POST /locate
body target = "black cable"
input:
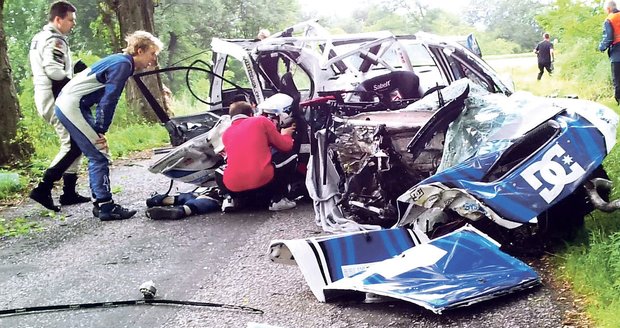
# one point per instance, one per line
(79, 306)
(188, 57)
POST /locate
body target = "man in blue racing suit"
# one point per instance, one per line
(102, 84)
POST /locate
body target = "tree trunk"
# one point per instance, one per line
(106, 10)
(13, 146)
(132, 16)
(172, 50)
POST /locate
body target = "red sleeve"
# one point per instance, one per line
(281, 142)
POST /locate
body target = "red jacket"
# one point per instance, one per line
(247, 144)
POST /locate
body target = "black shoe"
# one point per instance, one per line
(165, 212)
(96, 211)
(117, 213)
(44, 197)
(156, 200)
(71, 199)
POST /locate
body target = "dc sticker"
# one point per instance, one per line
(553, 172)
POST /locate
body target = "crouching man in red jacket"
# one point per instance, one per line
(251, 169)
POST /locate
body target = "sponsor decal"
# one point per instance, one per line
(416, 194)
(253, 80)
(557, 169)
(381, 85)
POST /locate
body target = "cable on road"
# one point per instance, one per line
(80, 306)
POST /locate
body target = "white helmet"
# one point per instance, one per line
(278, 105)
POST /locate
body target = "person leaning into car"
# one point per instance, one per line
(102, 84)
(249, 162)
(611, 43)
(50, 60)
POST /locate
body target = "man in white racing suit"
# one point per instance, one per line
(50, 59)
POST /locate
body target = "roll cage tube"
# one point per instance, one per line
(148, 95)
(212, 75)
(291, 57)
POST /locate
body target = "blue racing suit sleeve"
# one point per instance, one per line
(608, 36)
(114, 78)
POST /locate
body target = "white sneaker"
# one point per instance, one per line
(282, 204)
(228, 205)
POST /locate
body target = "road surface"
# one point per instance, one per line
(219, 258)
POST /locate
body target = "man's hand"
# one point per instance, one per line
(288, 131)
(101, 143)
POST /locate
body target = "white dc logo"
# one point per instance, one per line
(553, 173)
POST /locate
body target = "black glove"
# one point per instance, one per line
(58, 85)
(79, 66)
(287, 122)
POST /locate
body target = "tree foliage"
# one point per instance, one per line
(578, 26)
(508, 19)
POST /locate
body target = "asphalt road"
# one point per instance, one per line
(220, 258)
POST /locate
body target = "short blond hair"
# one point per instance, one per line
(141, 40)
(263, 34)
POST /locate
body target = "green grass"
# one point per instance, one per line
(10, 183)
(123, 140)
(18, 227)
(591, 264)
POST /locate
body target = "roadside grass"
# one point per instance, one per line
(17, 227)
(592, 263)
(10, 183)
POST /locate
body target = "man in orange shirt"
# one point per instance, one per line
(611, 43)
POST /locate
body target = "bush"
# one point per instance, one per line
(10, 182)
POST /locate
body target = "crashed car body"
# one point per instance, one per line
(412, 133)
(317, 62)
(517, 166)
(347, 82)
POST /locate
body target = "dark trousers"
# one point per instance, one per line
(274, 190)
(54, 173)
(615, 76)
(541, 67)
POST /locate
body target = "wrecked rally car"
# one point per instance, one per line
(422, 131)
(516, 167)
(415, 137)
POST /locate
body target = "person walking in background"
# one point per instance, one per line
(544, 52)
(50, 60)
(102, 84)
(611, 38)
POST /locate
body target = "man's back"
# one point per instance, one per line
(247, 144)
(544, 51)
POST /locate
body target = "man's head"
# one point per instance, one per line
(610, 6)
(240, 107)
(263, 34)
(144, 48)
(62, 16)
(546, 36)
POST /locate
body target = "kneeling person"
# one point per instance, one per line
(248, 145)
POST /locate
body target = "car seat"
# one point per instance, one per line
(393, 86)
